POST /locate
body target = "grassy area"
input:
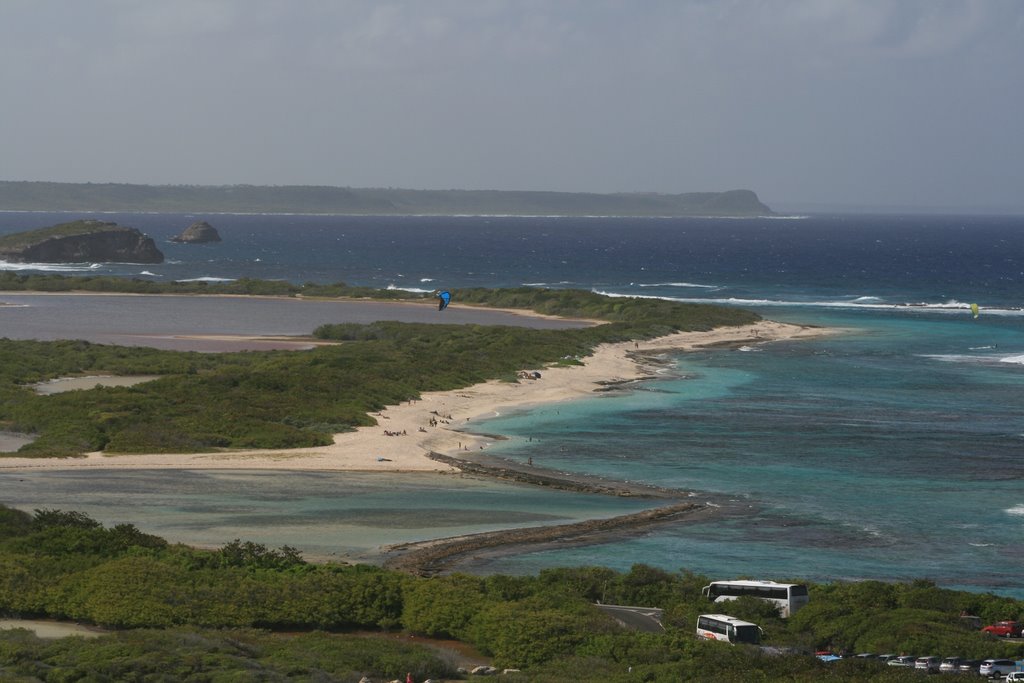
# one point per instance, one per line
(281, 399)
(81, 227)
(211, 615)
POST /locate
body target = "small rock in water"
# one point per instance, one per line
(198, 233)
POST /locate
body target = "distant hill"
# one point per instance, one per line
(43, 196)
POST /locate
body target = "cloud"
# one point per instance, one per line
(801, 99)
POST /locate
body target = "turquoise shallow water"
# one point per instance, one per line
(893, 451)
(324, 514)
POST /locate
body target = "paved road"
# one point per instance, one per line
(646, 619)
(196, 322)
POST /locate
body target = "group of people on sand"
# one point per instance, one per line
(388, 432)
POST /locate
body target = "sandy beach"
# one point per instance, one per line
(442, 421)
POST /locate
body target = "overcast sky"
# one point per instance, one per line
(856, 102)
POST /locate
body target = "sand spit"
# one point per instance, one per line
(405, 435)
(442, 422)
(434, 433)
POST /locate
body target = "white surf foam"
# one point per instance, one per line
(51, 267)
(1017, 510)
(414, 290)
(208, 279)
(957, 358)
(951, 307)
(1017, 359)
(680, 284)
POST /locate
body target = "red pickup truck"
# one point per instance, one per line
(1004, 629)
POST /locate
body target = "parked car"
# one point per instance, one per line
(950, 665)
(929, 664)
(997, 668)
(1004, 629)
(902, 660)
(969, 666)
(887, 658)
(1015, 677)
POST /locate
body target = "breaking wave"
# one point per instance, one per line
(208, 279)
(414, 290)
(680, 284)
(1016, 359)
(51, 267)
(951, 307)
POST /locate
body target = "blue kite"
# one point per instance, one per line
(445, 299)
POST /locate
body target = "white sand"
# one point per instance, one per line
(62, 384)
(369, 449)
(53, 629)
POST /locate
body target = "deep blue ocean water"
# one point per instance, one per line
(894, 450)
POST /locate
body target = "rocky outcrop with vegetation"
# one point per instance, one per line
(85, 241)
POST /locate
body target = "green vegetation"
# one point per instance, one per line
(67, 566)
(206, 655)
(42, 196)
(81, 227)
(287, 399)
(15, 282)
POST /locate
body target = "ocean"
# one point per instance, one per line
(894, 450)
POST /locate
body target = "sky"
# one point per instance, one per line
(839, 103)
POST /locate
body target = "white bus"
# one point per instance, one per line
(789, 597)
(727, 629)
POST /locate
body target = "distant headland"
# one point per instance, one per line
(47, 196)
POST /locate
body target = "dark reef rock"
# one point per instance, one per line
(199, 232)
(80, 242)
